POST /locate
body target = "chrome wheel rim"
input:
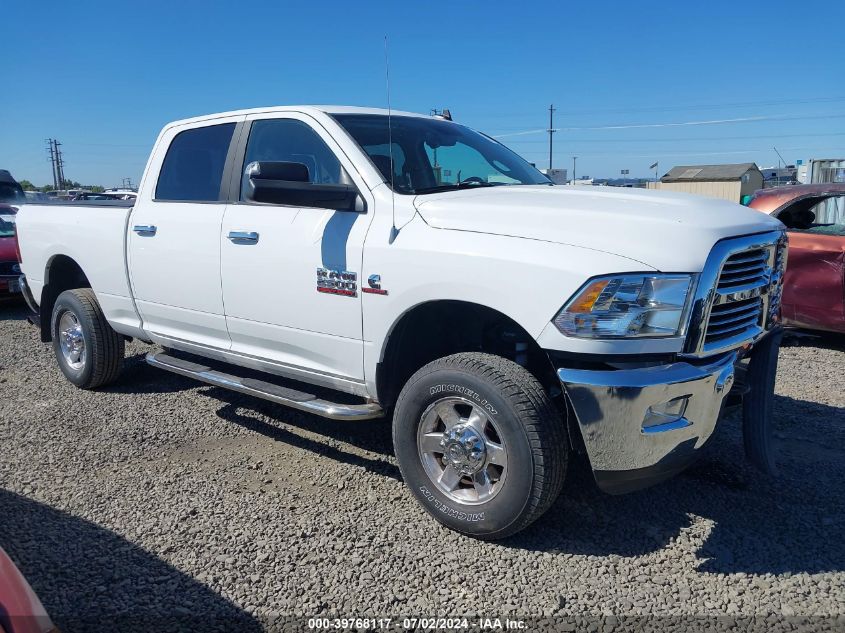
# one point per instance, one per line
(71, 340)
(462, 451)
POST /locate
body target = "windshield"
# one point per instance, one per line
(7, 229)
(432, 155)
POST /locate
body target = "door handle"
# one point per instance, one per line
(243, 237)
(145, 229)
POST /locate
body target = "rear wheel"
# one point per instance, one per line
(480, 444)
(89, 352)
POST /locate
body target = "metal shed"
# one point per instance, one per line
(730, 182)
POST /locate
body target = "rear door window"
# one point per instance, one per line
(193, 167)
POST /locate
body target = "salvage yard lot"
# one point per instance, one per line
(159, 495)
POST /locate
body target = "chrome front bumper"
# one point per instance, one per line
(643, 425)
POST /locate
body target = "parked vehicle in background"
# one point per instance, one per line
(814, 284)
(123, 194)
(36, 196)
(20, 609)
(90, 195)
(8, 212)
(504, 320)
(10, 269)
(10, 190)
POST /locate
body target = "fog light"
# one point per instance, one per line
(666, 416)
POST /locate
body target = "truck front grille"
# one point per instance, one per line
(745, 269)
(744, 277)
(728, 320)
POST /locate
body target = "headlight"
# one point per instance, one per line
(623, 306)
(16, 269)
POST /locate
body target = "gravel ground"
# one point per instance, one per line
(162, 497)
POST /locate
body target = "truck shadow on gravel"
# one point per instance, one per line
(790, 523)
(793, 522)
(371, 436)
(139, 377)
(91, 579)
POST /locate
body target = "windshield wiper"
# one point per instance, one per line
(459, 185)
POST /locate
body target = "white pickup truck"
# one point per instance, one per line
(354, 263)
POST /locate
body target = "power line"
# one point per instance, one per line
(674, 108)
(696, 153)
(754, 119)
(676, 139)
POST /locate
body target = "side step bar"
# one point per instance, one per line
(266, 390)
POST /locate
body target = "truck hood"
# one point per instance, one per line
(671, 232)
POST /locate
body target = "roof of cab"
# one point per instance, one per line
(304, 109)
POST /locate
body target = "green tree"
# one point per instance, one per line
(27, 186)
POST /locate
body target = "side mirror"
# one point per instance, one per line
(276, 182)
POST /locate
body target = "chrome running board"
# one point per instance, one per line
(265, 390)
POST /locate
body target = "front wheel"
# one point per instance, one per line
(89, 352)
(480, 444)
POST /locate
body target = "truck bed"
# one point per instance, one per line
(93, 234)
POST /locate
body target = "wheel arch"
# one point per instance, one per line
(437, 328)
(61, 273)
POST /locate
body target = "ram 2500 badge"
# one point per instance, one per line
(418, 269)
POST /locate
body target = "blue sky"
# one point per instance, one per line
(104, 77)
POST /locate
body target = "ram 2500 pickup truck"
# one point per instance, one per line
(353, 262)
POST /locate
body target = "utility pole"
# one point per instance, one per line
(551, 131)
(436, 112)
(574, 158)
(52, 153)
(780, 159)
(438, 172)
(60, 164)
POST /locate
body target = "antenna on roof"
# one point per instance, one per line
(393, 230)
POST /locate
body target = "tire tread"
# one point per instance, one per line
(107, 346)
(540, 418)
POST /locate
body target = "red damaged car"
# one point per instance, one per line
(10, 270)
(20, 609)
(814, 286)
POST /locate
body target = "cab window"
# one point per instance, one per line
(291, 141)
(193, 167)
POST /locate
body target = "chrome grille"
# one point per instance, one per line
(744, 269)
(738, 297)
(731, 319)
